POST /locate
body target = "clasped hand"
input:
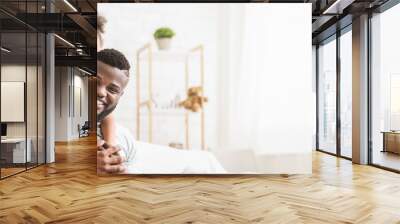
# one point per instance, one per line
(108, 158)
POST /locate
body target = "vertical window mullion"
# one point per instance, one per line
(317, 95)
(338, 92)
(26, 86)
(369, 91)
(37, 90)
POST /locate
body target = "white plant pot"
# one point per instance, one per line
(163, 43)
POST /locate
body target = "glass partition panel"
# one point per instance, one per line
(41, 98)
(31, 98)
(327, 96)
(22, 77)
(15, 151)
(346, 94)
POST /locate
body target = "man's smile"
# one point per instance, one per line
(100, 105)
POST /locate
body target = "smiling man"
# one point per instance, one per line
(130, 156)
(112, 78)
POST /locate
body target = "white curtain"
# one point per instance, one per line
(262, 101)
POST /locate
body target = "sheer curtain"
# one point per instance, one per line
(265, 102)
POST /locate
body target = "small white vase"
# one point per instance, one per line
(163, 43)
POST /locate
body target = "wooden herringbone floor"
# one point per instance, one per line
(69, 191)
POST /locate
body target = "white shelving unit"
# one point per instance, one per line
(151, 57)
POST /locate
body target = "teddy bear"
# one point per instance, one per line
(195, 101)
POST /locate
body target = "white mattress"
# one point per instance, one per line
(157, 159)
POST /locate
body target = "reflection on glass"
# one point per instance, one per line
(31, 97)
(386, 89)
(13, 76)
(327, 96)
(23, 90)
(346, 94)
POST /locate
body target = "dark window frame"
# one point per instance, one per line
(387, 5)
(43, 39)
(334, 37)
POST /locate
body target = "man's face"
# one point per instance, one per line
(111, 83)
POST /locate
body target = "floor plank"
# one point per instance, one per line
(69, 191)
(387, 159)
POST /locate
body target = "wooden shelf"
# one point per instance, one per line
(167, 55)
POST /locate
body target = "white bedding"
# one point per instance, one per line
(157, 159)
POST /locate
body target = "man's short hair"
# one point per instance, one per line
(113, 58)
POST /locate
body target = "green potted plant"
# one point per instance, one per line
(163, 36)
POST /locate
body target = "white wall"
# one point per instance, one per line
(11, 73)
(80, 104)
(14, 73)
(68, 81)
(33, 127)
(61, 104)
